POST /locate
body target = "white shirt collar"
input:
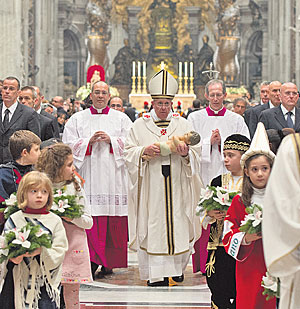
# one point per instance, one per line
(155, 118)
(11, 109)
(285, 111)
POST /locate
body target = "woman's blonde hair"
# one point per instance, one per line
(32, 180)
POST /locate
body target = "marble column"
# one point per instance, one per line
(11, 34)
(133, 24)
(194, 26)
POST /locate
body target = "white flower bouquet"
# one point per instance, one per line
(215, 198)
(271, 286)
(11, 206)
(20, 241)
(252, 221)
(65, 205)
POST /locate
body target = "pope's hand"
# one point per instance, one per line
(182, 149)
(100, 136)
(152, 151)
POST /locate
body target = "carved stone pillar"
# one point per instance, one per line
(133, 24)
(194, 26)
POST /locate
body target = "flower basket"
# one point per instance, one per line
(20, 241)
(252, 221)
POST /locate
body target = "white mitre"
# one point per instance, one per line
(259, 145)
(163, 86)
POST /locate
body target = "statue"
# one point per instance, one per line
(227, 38)
(98, 14)
(122, 62)
(203, 61)
(166, 148)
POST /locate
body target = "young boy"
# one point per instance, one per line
(24, 147)
(220, 267)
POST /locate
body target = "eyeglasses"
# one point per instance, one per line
(115, 105)
(291, 93)
(97, 92)
(215, 95)
(161, 104)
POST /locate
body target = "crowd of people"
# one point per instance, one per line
(136, 180)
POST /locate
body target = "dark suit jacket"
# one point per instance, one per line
(54, 123)
(254, 116)
(273, 118)
(46, 127)
(24, 118)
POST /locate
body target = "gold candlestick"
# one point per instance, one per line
(191, 85)
(186, 91)
(180, 85)
(133, 84)
(139, 90)
(144, 84)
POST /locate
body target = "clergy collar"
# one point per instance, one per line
(96, 111)
(155, 118)
(211, 112)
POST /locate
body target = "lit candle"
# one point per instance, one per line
(144, 68)
(191, 69)
(180, 69)
(139, 68)
(133, 68)
(185, 69)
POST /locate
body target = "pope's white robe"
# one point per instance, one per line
(162, 231)
(281, 222)
(104, 172)
(212, 162)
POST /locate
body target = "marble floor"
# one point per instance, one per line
(124, 289)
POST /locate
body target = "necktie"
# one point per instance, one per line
(289, 120)
(6, 118)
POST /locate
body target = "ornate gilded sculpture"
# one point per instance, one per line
(226, 59)
(98, 12)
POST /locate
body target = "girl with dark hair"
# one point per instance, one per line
(247, 248)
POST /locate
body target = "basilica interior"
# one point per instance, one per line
(51, 43)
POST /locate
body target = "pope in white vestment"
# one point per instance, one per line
(281, 222)
(215, 120)
(163, 191)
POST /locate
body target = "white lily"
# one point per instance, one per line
(41, 232)
(205, 194)
(61, 206)
(58, 193)
(269, 282)
(21, 238)
(256, 217)
(222, 198)
(12, 200)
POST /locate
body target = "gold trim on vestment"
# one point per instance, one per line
(185, 251)
(296, 142)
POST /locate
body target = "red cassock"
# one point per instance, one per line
(250, 266)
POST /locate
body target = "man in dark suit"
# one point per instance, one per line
(38, 109)
(286, 115)
(14, 116)
(264, 99)
(28, 97)
(274, 100)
